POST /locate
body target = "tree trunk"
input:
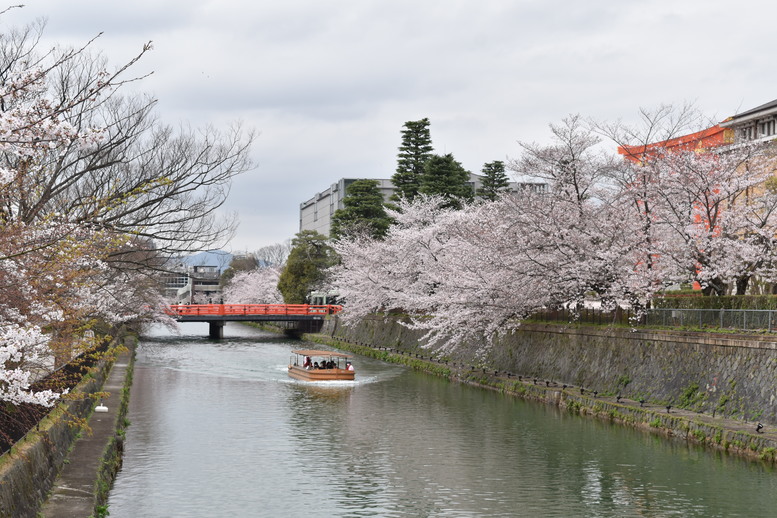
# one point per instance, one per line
(714, 287)
(742, 283)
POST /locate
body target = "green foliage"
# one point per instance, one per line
(721, 406)
(726, 302)
(691, 396)
(305, 268)
(446, 177)
(415, 150)
(495, 180)
(769, 454)
(363, 211)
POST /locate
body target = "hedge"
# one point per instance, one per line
(726, 302)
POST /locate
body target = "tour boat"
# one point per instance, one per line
(315, 365)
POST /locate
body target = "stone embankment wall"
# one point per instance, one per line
(29, 469)
(715, 384)
(719, 374)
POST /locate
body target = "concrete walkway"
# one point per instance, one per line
(73, 494)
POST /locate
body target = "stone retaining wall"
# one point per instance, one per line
(29, 469)
(719, 374)
(736, 436)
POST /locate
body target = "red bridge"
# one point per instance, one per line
(217, 314)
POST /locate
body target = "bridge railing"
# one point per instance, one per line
(184, 310)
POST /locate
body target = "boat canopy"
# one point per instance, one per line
(314, 352)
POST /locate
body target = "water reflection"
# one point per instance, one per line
(218, 429)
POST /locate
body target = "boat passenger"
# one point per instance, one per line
(307, 363)
(315, 365)
(348, 366)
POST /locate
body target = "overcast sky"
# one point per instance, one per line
(328, 84)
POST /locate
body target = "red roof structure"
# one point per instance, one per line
(701, 140)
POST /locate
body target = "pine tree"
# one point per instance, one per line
(415, 150)
(446, 177)
(495, 180)
(363, 211)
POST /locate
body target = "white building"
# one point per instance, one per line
(193, 285)
(757, 124)
(316, 213)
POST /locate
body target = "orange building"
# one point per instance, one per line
(701, 140)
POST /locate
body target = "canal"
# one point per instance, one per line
(218, 429)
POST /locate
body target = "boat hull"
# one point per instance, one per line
(300, 373)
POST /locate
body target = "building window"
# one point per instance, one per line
(757, 130)
(766, 128)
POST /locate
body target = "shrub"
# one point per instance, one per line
(727, 302)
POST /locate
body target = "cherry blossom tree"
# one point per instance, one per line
(715, 215)
(478, 272)
(635, 181)
(460, 275)
(620, 230)
(258, 286)
(573, 230)
(395, 273)
(574, 165)
(94, 192)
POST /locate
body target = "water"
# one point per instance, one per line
(218, 429)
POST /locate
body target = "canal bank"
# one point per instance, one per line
(705, 388)
(65, 467)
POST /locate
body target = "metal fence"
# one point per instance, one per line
(741, 319)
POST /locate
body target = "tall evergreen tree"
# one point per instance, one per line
(363, 211)
(446, 177)
(415, 150)
(495, 180)
(310, 256)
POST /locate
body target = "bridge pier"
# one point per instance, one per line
(216, 329)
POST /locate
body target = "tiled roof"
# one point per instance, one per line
(768, 106)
